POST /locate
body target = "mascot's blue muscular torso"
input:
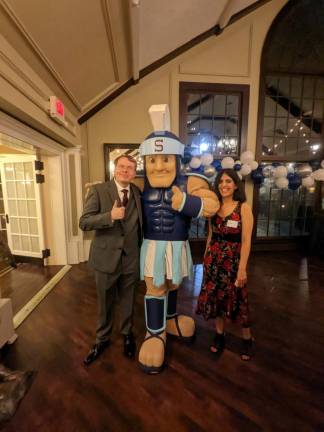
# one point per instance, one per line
(161, 222)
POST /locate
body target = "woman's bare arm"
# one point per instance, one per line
(247, 227)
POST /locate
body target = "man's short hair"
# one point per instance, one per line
(130, 158)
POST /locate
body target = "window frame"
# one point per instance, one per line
(243, 90)
(229, 89)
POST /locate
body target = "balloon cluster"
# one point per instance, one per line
(290, 177)
(280, 175)
(208, 166)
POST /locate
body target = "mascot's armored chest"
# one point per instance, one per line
(161, 222)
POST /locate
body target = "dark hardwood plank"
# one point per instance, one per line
(22, 283)
(280, 390)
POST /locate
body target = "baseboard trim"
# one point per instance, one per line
(34, 302)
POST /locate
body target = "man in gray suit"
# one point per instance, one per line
(113, 210)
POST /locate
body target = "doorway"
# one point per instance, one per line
(21, 199)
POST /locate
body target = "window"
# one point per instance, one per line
(213, 119)
(293, 117)
(284, 213)
(292, 134)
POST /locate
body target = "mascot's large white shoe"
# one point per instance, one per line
(170, 199)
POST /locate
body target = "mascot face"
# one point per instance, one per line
(161, 169)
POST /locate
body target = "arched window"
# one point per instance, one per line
(290, 127)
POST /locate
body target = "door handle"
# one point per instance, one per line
(7, 218)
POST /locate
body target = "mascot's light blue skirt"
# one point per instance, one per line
(159, 261)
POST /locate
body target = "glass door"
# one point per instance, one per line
(3, 225)
(23, 207)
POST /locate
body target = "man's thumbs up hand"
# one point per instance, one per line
(117, 212)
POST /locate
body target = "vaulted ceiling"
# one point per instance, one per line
(85, 51)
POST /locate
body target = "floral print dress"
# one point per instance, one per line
(219, 297)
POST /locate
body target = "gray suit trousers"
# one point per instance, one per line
(115, 288)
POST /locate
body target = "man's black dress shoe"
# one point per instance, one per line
(95, 352)
(129, 345)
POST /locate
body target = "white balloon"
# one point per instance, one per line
(206, 159)
(239, 174)
(319, 174)
(308, 181)
(195, 162)
(245, 170)
(280, 171)
(254, 165)
(247, 157)
(322, 164)
(282, 183)
(227, 162)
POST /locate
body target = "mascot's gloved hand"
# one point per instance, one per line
(177, 198)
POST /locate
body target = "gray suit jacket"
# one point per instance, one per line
(110, 242)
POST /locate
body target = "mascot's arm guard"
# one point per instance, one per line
(186, 204)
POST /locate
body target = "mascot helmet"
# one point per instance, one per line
(161, 141)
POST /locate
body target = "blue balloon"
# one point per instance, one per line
(237, 167)
(186, 157)
(199, 170)
(294, 182)
(257, 177)
(290, 176)
(217, 164)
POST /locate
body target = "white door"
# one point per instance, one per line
(22, 199)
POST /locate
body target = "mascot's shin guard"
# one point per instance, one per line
(179, 320)
(155, 314)
(172, 304)
(155, 318)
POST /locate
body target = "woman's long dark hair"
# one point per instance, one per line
(239, 193)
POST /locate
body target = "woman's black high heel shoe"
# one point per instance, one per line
(218, 344)
(246, 350)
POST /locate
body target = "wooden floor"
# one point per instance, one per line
(280, 390)
(23, 283)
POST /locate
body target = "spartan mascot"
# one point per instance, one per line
(170, 199)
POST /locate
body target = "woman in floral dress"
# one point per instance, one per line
(224, 293)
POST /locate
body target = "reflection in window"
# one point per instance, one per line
(284, 212)
(293, 117)
(213, 123)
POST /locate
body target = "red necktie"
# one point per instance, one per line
(125, 197)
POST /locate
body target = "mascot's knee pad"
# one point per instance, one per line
(172, 304)
(155, 313)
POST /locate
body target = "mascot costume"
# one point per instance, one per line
(170, 199)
